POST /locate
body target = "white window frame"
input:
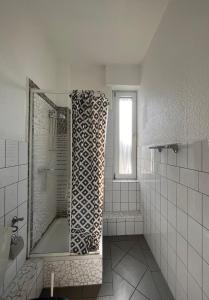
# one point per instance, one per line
(116, 96)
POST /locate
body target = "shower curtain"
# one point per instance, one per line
(89, 118)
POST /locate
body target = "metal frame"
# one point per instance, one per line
(41, 92)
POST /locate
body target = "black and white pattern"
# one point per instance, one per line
(89, 117)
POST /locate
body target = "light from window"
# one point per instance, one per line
(125, 136)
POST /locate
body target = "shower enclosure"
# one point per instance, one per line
(65, 210)
(50, 169)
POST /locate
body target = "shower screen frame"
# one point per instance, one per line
(32, 90)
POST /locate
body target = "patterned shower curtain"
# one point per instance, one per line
(89, 119)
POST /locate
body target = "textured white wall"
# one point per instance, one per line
(122, 74)
(87, 77)
(174, 94)
(24, 51)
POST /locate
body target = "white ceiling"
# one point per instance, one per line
(100, 31)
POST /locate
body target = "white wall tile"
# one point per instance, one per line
(205, 297)
(108, 173)
(2, 154)
(8, 176)
(189, 178)
(162, 170)
(164, 207)
(132, 186)
(180, 292)
(172, 158)
(194, 290)
(129, 227)
(108, 206)
(164, 187)
(195, 235)
(163, 156)
(121, 228)
(195, 265)
(172, 214)
(206, 245)
(132, 196)
(111, 228)
(173, 173)
(23, 172)
(108, 196)
(206, 211)
(172, 236)
(172, 270)
(108, 184)
(23, 153)
(204, 183)
(116, 186)
(105, 231)
(182, 247)
(182, 274)
(1, 202)
(182, 202)
(116, 196)
(132, 206)
(206, 278)
(138, 226)
(22, 191)
(10, 216)
(116, 206)
(22, 212)
(182, 223)
(124, 186)
(10, 197)
(195, 156)
(11, 153)
(182, 156)
(172, 191)
(124, 196)
(195, 205)
(124, 206)
(205, 156)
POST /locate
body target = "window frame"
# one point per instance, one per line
(116, 96)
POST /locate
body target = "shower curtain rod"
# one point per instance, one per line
(67, 92)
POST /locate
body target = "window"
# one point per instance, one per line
(125, 135)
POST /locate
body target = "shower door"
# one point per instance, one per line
(49, 175)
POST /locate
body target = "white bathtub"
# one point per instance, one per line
(55, 239)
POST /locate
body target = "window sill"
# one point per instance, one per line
(125, 180)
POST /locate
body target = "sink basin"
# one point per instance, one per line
(5, 240)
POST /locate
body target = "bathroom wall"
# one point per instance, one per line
(24, 52)
(174, 87)
(174, 107)
(175, 200)
(13, 196)
(87, 77)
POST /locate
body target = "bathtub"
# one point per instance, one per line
(70, 269)
(55, 239)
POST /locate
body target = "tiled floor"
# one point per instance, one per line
(129, 272)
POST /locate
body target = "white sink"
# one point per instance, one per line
(5, 241)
